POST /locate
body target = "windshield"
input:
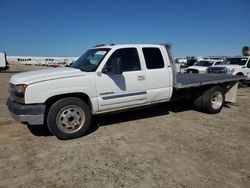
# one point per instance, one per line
(235, 61)
(204, 63)
(218, 63)
(90, 60)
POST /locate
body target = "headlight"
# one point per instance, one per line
(17, 92)
(232, 71)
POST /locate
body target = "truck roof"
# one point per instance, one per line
(167, 46)
(127, 45)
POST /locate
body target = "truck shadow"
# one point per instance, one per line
(7, 72)
(125, 116)
(39, 130)
(142, 113)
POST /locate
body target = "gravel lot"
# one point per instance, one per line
(169, 145)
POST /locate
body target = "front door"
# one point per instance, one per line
(117, 91)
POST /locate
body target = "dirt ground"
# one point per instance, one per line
(169, 145)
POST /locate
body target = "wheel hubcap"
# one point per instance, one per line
(216, 100)
(70, 119)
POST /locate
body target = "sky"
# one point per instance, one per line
(70, 27)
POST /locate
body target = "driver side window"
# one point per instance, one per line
(129, 59)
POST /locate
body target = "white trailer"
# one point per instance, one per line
(3, 62)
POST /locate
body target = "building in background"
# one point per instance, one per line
(41, 61)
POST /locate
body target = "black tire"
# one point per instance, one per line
(211, 101)
(241, 82)
(69, 118)
(198, 103)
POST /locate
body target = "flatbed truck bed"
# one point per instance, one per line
(194, 80)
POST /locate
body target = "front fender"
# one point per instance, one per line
(41, 91)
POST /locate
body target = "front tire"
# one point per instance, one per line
(69, 118)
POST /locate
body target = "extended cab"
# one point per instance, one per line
(110, 78)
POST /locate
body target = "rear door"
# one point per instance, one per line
(117, 91)
(159, 78)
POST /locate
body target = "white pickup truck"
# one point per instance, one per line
(239, 65)
(110, 78)
(202, 65)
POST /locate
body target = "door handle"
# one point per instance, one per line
(139, 78)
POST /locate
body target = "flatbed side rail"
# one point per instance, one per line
(195, 80)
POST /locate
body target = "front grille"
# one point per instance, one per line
(216, 70)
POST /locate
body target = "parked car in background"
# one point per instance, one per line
(239, 65)
(181, 60)
(202, 66)
(3, 62)
(180, 64)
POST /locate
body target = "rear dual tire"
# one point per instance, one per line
(211, 101)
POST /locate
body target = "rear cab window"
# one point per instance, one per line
(153, 58)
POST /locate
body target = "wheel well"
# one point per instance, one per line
(81, 96)
(239, 73)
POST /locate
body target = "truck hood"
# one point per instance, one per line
(229, 66)
(45, 75)
(200, 68)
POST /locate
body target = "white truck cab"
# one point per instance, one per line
(110, 78)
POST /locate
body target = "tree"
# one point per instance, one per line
(245, 51)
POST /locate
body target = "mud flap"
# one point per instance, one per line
(231, 90)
